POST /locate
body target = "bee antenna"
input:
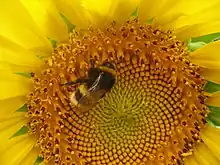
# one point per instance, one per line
(69, 83)
(92, 62)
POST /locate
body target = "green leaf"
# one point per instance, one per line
(134, 14)
(20, 132)
(214, 115)
(70, 26)
(53, 42)
(150, 21)
(206, 38)
(192, 46)
(210, 122)
(42, 57)
(23, 108)
(25, 74)
(38, 161)
(211, 87)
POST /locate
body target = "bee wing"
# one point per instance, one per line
(87, 102)
(95, 85)
(93, 95)
(92, 98)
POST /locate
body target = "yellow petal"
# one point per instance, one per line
(7, 108)
(121, 14)
(12, 85)
(98, 10)
(211, 74)
(186, 32)
(18, 26)
(204, 155)
(214, 100)
(149, 9)
(30, 157)
(8, 127)
(5, 66)
(187, 18)
(47, 18)
(95, 12)
(103, 11)
(211, 137)
(18, 150)
(74, 11)
(190, 161)
(207, 153)
(209, 12)
(15, 54)
(207, 56)
(173, 10)
(10, 120)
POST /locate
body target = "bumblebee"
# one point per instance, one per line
(99, 81)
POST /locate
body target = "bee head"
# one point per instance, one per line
(108, 65)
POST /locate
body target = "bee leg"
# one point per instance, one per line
(82, 80)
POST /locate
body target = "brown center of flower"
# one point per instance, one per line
(152, 115)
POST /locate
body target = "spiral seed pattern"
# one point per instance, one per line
(152, 115)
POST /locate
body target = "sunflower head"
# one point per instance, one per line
(156, 106)
(154, 112)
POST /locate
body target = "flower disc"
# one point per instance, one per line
(152, 115)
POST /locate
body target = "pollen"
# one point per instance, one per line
(153, 114)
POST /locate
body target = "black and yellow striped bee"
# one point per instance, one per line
(98, 82)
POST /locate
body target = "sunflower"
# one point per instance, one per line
(163, 108)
